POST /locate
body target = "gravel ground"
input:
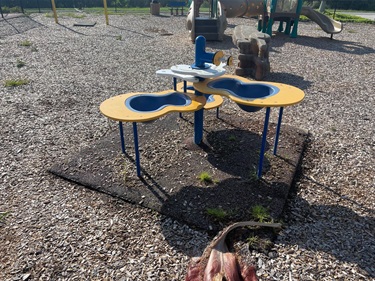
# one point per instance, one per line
(57, 230)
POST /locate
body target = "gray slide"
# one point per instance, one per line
(329, 25)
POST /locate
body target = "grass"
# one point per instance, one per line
(15, 82)
(260, 213)
(3, 215)
(25, 43)
(342, 17)
(217, 214)
(205, 178)
(252, 240)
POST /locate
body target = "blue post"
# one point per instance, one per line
(264, 141)
(278, 130)
(175, 83)
(185, 90)
(217, 112)
(198, 126)
(137, 161)
(122, 137)
(201, 57)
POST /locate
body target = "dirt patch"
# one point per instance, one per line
(171, 167)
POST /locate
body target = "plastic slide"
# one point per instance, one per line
(328, 25)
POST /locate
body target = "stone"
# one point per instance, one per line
(253, 55)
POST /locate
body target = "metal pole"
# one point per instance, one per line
(21, 4)
(334, 14)
(264, 142)
(54, 10)
(37, 2)
(106, 12)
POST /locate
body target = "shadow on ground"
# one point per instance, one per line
(170, 170)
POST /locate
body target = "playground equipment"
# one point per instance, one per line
(268, 11)
(104, 5)
(211, 25)
(209, 83)
(253, 45)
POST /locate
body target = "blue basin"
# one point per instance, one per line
(244, 91)
(152, 102)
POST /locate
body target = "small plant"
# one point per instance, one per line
(3, 215)
(119, 37)
(34, 49)
(217, 213)
(253, 176)
(20, 63)
(25, 43)
(333, 129)
(205, 178)
(252, 240)
(15, 83)
(260, 213)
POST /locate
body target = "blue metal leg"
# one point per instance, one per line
(137, 161)
(185, 90)
(175, 83)
(264, 141)
(217, 112)
(278, 130)
(198, 126)
(122, 137)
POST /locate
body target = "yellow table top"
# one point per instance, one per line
(115, 107)
(286, 96)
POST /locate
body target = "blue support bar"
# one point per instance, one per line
(264, 141)
(137, 161)
(185, 90)
(122, 137)
(278, 130)
(198, 126)
(175, 83)
(217, 112)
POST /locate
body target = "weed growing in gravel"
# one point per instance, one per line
(34, 49)
(260, 213)
(217, 214)
(252, 240)
(205, 178)
(15, 83)
(3, 215)
(20, 63)
(25, 43)
(119, 37)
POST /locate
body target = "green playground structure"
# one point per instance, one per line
(213, 24)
